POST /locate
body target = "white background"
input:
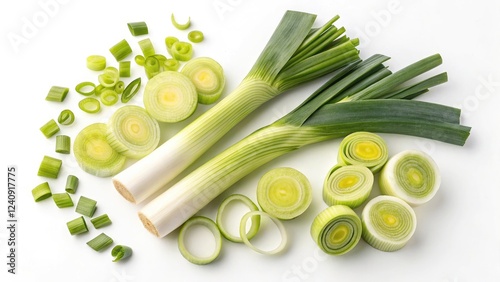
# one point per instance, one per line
(458, 232)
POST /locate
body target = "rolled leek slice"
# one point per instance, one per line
(132, 132)
(336, 230)
(220, 217)
(94, 154)
(210, 225)
(170, 97)
(284, 193)
(276, 221)
(348, 185)
(363, 148)
(412, 176)
(207, 76)
(388, 223)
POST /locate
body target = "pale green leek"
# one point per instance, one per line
(348, 185)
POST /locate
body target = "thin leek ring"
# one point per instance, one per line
(79, 88)
(363, 148)
(201, 220)
(109, 97)
(348, 185)
(279, 224)
(89, 105)
(255, 220)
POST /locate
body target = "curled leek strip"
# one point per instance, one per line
(94, 154)
(169, 42)
(220, 217)
(109, 77)
(348, 185)
(132, 132)
(412, 176)
(177, 25)
(277, 222)
(388, 223)
(170, 97)
(182, 51)
(207, 76)
(208, 223)
(336, 230)
(363, 148)
(121, 252)
(66, 117)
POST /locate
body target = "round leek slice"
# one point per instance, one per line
(348, 185)
(412, 176)
(109, 97)
(220, 217)
(132, 132)
(208, 223)
(284, 193)
(207, 76)
(182, 51)
(364, 148)
(94, 154)
(170, 97)
(277, 222)
(336, 230)
(196, 36)
(388, 223)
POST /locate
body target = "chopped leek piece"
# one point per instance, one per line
(90, 105)
(147, 47)
(121, 252)
(71, 184)
(363, 148)
(195, 36)
(62, 200)
(131, 89)
(170, 97)
(388, 223)
(138, 28)
(101, 221)
(254, 228)
(177, 25)
(132, 132)
(284, 193)
(348, 185)
(182, 51)
(96, 62)
(140, 60)
(412, 176)
(77, 226)
(66, 117)
(120, 50)
(171, 64)
(100, 242)
(50, 128)
(85, 88)
(57, 94)
(63, 144)
(124, 68)
(169, 43)
(109, 97)
(119, 87)
(207, 76)
(41, 192)
(212, 227)
(336, 230)
(86, 206)
(49, 167)
(94, 154)
(98, 89)
(109, 77)
(152, 67)
(277, 222)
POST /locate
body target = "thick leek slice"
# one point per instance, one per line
(121, 252)
(388, 223)
(336, 230)
(132, 132)
(96, 62)
(121, 50)
(86, 206)
(147, 47)
(77, 226)
(348, 185)
(182, 51)
(41, 192)
(412, 176)
(71, 184)
(364, 148)
(57, 94)
(50, 128)
(284, 193)
(62, 200)
(49, 167)
(100, 242)
(196, 36)
(277, 222)
(207, 76)
(170, 97)
(94, 154)
(138, 28)
(63, 144)
(220, 217)
(208, 223)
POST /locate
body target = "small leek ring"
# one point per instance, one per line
(220, 217)
(208, 223)
(80, 88)
(279, 224)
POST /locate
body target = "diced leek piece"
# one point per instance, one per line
(121, 252)
(169, 42)
(140, 60)
(94, 154)
(138, 28)
(177, 25)
(121, 50)
(363, 148)
(182, 51)
(63, 144)
(62, 200)
(131, 89)
(388, 223)
(96, 62)
(132, 132)
(98, 89)
(109, 97)
(170, 97)
(77, 226)
(277, 222)
(50, 128)
(119, 87)
(207, 76)
(147, 47)
(196, 36)
(212, 227)
(71, 184)
(336, 230)
(49, 167)
(86, 206)
(41, 192)
(284, 193)
(412, 176)
(57, 94)
(66, 117)
(152, 67)
(100, 221)
(254, 228)
(348, 185)
(100, 242)
(124, 68)
(85, 88)
(90, 105)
